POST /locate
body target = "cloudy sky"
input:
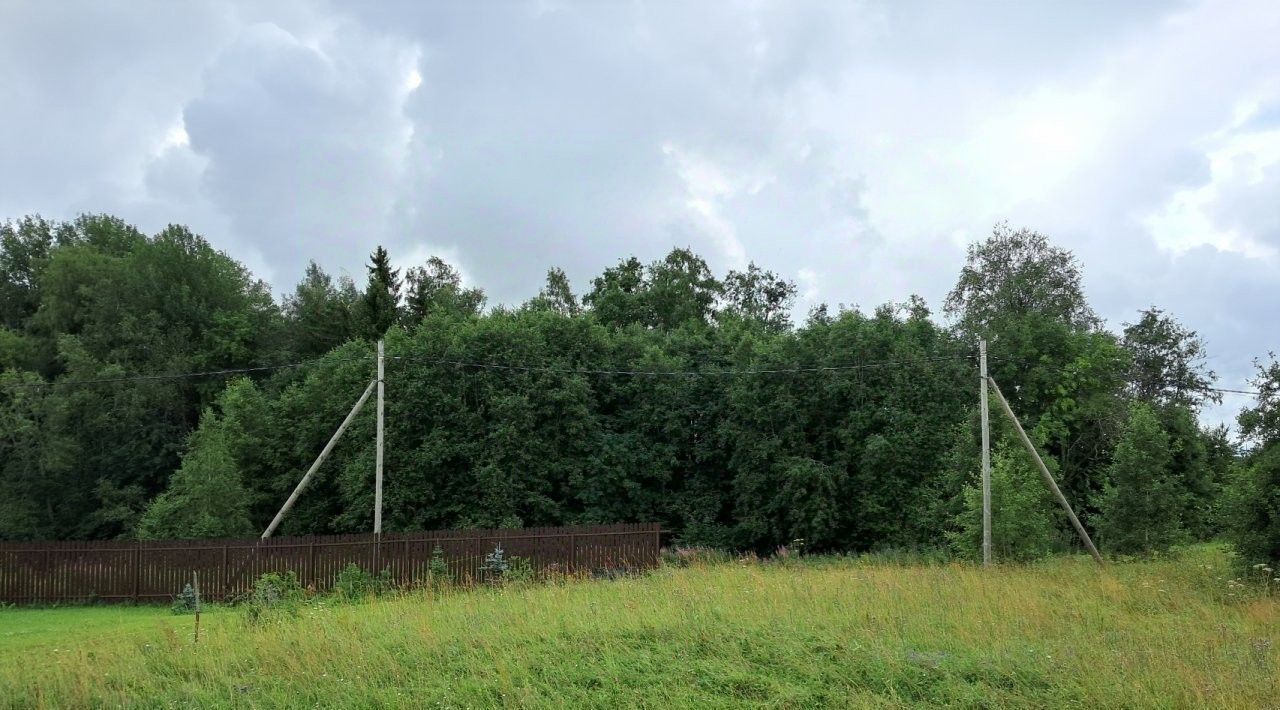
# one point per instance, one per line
(855, 147)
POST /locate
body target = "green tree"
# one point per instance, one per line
(24, 249)
(681, 288)
(1140, 508)
(759, 295)
(617, 296)
(380, 304)
(1167, 362)
(320, 315)
(1063, 375)
(205, 497)
(1015, 274)
(675, 290)
(1024, 517)
(556, 295)
(1255, 488)
(437, 286)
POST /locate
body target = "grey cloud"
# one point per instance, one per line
(856, 144)
(90, 90)
(305, 144)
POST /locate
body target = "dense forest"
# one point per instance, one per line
(663, 393)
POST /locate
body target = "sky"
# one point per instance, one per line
(853, 147)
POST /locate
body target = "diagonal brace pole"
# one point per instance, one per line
(1044, 472)
(319, 460)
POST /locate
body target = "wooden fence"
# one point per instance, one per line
(156, 570)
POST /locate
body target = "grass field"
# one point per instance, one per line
(831, 632)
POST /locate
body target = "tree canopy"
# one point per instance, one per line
(665, 392)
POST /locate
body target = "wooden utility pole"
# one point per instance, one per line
(319, 460)
(986, 454)
(1044, 472)
(377, 470)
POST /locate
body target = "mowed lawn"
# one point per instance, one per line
(832, 632)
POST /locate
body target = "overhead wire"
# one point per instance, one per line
(727, 372)
(1222, 390)
(182, 375)
(483, 365)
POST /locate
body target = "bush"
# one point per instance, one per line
(353, 582)
(519, 570)
(273, 591)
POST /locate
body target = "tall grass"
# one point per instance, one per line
(832, 632)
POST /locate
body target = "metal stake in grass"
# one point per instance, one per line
(195, 585)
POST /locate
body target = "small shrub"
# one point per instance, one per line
(186, 602)
(352, 582)
(495, 565)
(274, 588)
(519, 571)
(273, 591)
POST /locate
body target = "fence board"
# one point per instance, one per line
(156, 570)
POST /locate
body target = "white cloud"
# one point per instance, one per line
(1241, 162)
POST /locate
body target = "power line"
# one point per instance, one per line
(179, 375)
(677, 373)
(1222, 390)
(490, 366)
(731, 372)
(1230, 391)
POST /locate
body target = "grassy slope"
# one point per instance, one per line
(839, 633)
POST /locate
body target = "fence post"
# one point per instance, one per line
(573, 552)
(137, 569)
(226, 592)
(311, 564)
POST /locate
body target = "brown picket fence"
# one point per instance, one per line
(156, 570)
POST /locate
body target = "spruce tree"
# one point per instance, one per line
(380, 304)
(1140, 508)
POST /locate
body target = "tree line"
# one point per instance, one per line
(663, 393)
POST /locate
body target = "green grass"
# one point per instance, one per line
(834, 632)
(44, 629)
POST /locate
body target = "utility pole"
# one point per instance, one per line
(1044, 473)
(986, 454)
(377, 474)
